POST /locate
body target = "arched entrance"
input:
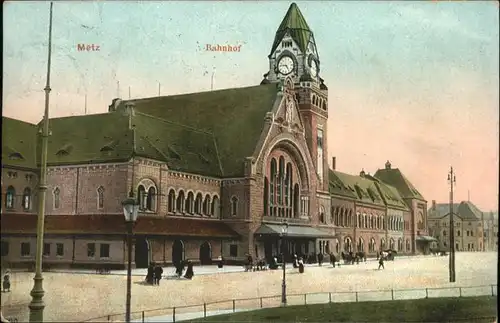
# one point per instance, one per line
(177, 252)
(205, 254)
(141, 252)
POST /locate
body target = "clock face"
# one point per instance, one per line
(285, 65)
(314, 68)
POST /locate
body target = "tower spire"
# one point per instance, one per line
(294, 23)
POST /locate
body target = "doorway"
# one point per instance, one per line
(177, 252)
(141, 253)
(205, 254)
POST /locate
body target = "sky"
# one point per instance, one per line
(416, 83)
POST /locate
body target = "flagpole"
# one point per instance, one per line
(37, 305)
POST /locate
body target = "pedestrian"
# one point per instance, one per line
(150, 274)
(158, 271)
(220, 262)
(320, 259)
(333, 259)
(301, 265)
(189, 271)
(179, 268)
(381, 263)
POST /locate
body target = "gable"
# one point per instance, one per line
(395, 178)
(235, 118)
(288, 115)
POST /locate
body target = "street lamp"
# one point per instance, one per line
(37, 305)
(130, 210)
(284, 232)
(452, 182)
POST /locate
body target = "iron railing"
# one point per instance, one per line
(188, 312)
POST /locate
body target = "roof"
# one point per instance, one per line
(465, 209)
(18, 143)
(389, 193)
(357, 187)
(394, 177)
(294, 23)
(234, 117)
(111, 224)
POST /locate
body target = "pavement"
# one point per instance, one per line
(85, 296)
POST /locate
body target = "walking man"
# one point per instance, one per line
(381, 263)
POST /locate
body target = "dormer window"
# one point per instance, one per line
(16, 156)
(287, 43)
(65, 150)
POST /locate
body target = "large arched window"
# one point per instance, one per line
(180, 202)
(27, 198)
(296, 200)
(400, 244)
(206, 205)
(322, 219)
(288, 184)
(361, 244)
(189, 203)
(171, 201)
(198, 203)
(100, 197)
(274, 169)
(372, 245)
(347, 244)
(10, 197)
(280, 182)
(57, 198)
(420, 221)
(391, 244)
(382, 244)
(151, 199)
(234, 206)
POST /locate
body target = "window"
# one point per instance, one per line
(59, 249)
(233, 250)
(234, 206)
(171, 201)
(57, 197)
(179, 207)
(281, 194)
(10, 197)
(319, 156)
(214, 210)
(458, 233)
(198, 203)
(471, 233)
(4, 248)
(206, 205)
(266, 196)
(141, 197)
(467, 232)
(46, 249)
(151, 199)
(280, 180)
(189, 203)
(104, 250)
(91, 250)
(100, 197)
(25, 249)
(27, 198)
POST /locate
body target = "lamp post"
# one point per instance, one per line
(452, 182)
(130, 210)
(284, 232)
(37, 305)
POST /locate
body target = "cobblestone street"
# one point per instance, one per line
(76, 297)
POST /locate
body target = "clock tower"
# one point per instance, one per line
(294, 54)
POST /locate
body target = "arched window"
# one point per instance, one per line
(350, 221)
(296, 200)
(391, 244)
(57, 198)
(281, 173)
(151, 199)
(444, 232)
(206, 205)
(273, 186)
(372, 246)
(180, 202)
(100, 197)
(10, 197)
(361, 245)
(266, 196)
(171, 201)
(337, 246)
(382, 244)
(198, 203)
(141, 197)
(400, 244)
(288, 184)
(189, 203)
(347, 244)
(420, 221)
(322, 215)
(408, 245)
(27, 198)
(214, 210)
(458, 233)
(234, 206)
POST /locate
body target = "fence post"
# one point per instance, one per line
(109, 317)
(329, 297)
(392, 294)
(142, 316)
(460, 291)
(356, 296)
(204, 309)
(173, 315)
(234, 306)
(426, 293)
(305, 299)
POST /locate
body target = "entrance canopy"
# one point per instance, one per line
(293, 231)
(426, 238)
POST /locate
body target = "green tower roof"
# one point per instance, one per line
(296, 25)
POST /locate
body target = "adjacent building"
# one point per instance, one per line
(474, 230)
(215, 174)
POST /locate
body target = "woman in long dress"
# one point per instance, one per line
(189, 271)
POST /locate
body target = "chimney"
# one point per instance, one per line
(433, 204)
(388, 165)
(334, 162)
